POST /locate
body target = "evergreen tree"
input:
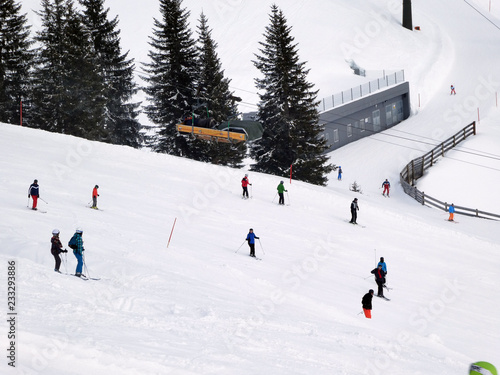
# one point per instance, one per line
(171, 78)
(68, 94)
(116, 73)
(15, 61)
(213, 91)
(287, 109)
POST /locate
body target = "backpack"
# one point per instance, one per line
(72, 242)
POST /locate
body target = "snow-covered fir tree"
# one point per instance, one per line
(219, 102)
(68, 90)
(171, 77)
(287, 110)
(15, 61)
(117, 72)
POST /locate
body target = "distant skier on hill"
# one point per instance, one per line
(56, 249)
(451, 210)
(95, 194)
(386, 185)
(354, 211)
(339, 177)
(244, 184)
(367, 303)
(34, 193)
(281, 189)
(251, 242)
(452, 90)
(379, 279)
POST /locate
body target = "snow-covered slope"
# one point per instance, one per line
(200, 307)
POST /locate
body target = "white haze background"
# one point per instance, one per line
(198, 307)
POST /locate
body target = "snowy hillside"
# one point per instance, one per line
(202, 306)
(199, 307)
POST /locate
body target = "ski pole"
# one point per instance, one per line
(367, 277)
(28, 205)
(288, 197)
(44, 201)
(85, 265)
(274, 197)
(251, 192)
(263, 252)
(240, 246)
(65, 261)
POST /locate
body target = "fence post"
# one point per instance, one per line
(477, 212)
(423, 199)
(474, 126)
(442, 149)
(445, 206)
(432, 158)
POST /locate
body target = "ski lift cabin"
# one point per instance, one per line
(206, 129)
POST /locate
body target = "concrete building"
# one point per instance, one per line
(366, 115)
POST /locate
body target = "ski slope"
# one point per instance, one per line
(202, 306)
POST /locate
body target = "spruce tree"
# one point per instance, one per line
(171, 78)
(287, 110)
(68, 93)
(213, 91)
(116, 72)
(15, 61)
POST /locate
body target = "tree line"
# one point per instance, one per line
(73, 78)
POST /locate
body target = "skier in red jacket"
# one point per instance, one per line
(244, 184)
(95, 194)
(386, 185)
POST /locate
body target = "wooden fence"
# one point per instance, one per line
(415, 169)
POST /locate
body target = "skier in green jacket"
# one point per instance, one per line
(281, 189)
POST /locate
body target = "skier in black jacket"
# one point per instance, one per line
(367, 303)
(354, 211)
(379, 279)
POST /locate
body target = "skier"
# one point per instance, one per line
(386, 185)
(367, 303)
(339, 177)
(281, 189)
(56, 249)
(244, 184)
(354, 211)
(78, 250)
(251, 241)
(34, 192)
(451, 210)
(95, 194)
(379, 279)
(382, 263)
(452, 90)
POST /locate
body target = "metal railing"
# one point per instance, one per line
(357, 92)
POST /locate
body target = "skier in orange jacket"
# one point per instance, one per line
(94, 197)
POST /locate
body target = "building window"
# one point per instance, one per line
(349, 130)
(388, 114)
(335, 135)
(376, 120)
(399, 111)
(362, 125)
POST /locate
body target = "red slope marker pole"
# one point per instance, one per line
(291, 173)
(172, 231)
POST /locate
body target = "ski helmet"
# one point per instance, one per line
(381, 259)
(97, 186)
(55, 232)
(35, 182)
(281, 182)
(251, 229)
(371, 291)
(79, 230)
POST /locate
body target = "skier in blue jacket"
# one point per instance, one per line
(382, 263)
(78, 252)
(251, 242)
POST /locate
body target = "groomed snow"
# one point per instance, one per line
(200, 307)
